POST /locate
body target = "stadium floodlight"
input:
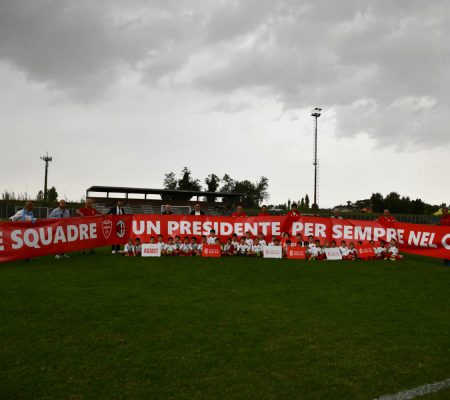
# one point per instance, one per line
(316, 113)
(47, 159)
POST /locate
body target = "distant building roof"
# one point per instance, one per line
(161, 192)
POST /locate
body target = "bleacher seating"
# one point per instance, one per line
(135, 206)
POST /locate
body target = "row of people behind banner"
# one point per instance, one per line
(26, 214)
(248, 246)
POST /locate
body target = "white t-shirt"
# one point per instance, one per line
(380, 251)
(138, 249)
(343, 250)
(161, 245)
(186, 247)
(242, 248)
(211, 240)
(313, 250)
(257, 248)
(249, 242)
(200, 246)
(169, 248)
(353, 252)
(393, 250)
(227, 247)
(262, 242)
(235, 243)
(129, 248)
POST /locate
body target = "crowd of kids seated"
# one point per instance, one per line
(253, 246)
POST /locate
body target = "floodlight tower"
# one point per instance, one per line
(47, 159)
(316, 113)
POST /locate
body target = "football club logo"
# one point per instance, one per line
(107, 228)
(120, 228)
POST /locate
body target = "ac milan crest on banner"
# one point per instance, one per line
(107, 228)
(121, 228)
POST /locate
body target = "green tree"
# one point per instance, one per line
(393, 202)
(228, 185)
(187, 182)
(52, 194)
(170, 181)
(306, 201)
(302, 207)
(40, 196)
(377, 201)
(212, 184)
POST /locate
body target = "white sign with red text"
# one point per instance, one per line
(151, 250)
(273, 252)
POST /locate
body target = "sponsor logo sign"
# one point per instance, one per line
(333, 253)
(212, 250)
(151, 250)
(366, 251)
(273, 252)
(296, 252)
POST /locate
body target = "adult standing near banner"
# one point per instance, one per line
(197, 210)
(26, 214)
(386, 218)
(167, 210)
(116, 210)
(264, 212)
(239, 213)
(293, 212)
(335, 214)
(445, 221)
(88, 210)
(60, 212)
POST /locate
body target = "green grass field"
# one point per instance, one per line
(109, 327)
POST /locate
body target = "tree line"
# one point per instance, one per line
(395, 203)
(254, 193)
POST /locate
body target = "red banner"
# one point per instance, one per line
(20, 240)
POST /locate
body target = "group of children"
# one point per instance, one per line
(248, 246)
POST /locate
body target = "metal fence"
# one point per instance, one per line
(7, 209)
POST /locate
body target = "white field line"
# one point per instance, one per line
(418, 391)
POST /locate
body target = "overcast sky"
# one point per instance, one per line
(122, 92)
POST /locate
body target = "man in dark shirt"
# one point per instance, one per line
(197, 210)
(116, 210)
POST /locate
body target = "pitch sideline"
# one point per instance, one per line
(418, 391)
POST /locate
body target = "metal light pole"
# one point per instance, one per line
(47, 159)
(316, 113)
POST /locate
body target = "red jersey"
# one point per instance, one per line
(386, 219)
(263, 214)
(293, 213)
(238, 214)
(445, 220)
(89, 212)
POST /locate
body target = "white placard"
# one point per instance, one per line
(333, 253)
(273, 252)
(151, 250)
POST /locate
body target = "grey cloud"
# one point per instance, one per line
(381, 65)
